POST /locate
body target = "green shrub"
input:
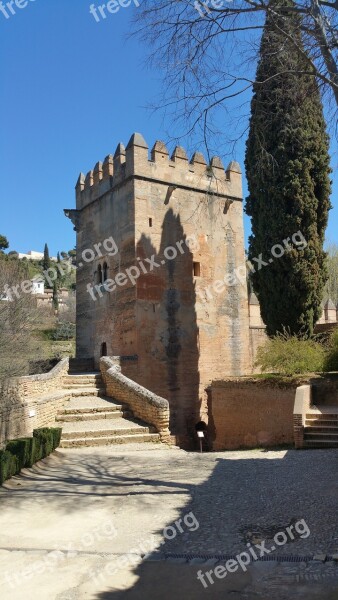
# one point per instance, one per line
(9, 465)
(56, 433)
(37, 450)
(331, 359)
(45, 439)
(25, 452)
(64, 331)
(22, 449)
(289, 355)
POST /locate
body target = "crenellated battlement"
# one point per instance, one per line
(135, 161)
(159, 236)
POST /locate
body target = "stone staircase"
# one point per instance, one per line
(321, 427)
(91, 419)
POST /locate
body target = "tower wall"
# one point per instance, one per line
(186, 325)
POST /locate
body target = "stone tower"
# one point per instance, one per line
(161, 273)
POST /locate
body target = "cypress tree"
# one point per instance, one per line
(55, 296)
(288, 171)
(46, 259)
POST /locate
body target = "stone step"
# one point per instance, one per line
(89, 383)
(322, 412)
(90, 404)
(321, 436)
(110, 440)
(320, 444)
(93, 416)
(94, 377)
(103, 428)
(87, 391)
(321, 423)
(321, 429)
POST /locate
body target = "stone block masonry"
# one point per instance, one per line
(249, 413)
(27, 403)
(182, 340)
(144, 404)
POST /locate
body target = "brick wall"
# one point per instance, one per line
(144, 404)
(250, 413)
(31, 401)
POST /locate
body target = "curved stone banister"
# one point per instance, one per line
(144, 404)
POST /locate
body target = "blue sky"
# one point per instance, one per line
(71, 89)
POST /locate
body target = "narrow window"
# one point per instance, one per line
(104, 349)
(99, 274)
(197, 269)
(150, 222)
(105, 272)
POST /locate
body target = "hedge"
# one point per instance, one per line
(25, 452)
(22, 449)
(9, 465)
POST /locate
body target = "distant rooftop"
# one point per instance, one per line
(34, 255)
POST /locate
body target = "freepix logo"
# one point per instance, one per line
(112, 7)
(8, 9)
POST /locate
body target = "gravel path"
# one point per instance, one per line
(174, 507)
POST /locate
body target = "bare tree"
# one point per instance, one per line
(207, 50)
(67, 311)
(19, 316)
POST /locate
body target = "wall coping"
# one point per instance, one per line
(302, 401)
(147, 395)
(43, 376)
(242, 382)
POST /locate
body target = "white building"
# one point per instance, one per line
(38, 285)
(33, 255)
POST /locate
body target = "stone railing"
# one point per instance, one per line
(32, 401)
(301, 407)
(142, 402)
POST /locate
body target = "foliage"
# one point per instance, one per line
(64, 331)
(331, 289)
(55, 296)
(25, 452)
(8, 465)
(205, 51)
(45, 439)
(46, 259)
(68, 311)
(22, 449)
(287, 164)
(331, 359)
(288, 354)
(19, 316)
(4, 243)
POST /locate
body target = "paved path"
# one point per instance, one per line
(140, 522)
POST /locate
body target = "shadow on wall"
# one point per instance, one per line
(168, 351)
(229, 511)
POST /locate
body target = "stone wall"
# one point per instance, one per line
(185, 319)
(31, 401)
(144, 404)
(250, 413)
(258, 338)
(303, 401)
